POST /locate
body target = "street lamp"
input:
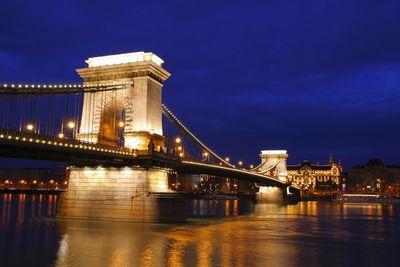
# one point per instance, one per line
(60, 135)
(178, 140)
(227, 159)
(240, 163)
(71, 125)
(30, 127)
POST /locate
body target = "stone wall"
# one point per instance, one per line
(121, 194)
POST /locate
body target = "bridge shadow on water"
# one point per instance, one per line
(218, 233)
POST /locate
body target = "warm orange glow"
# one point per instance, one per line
(121, 124)
(179, 148)
(30, 127)
(34, 182)
(178, 140)
(6, 181)
(60, 135)
(180, 154)
(51, 182)
(151, 131)
(71, 125)
(251, 166)
(205, 154)
(240, 163)
(227, 159)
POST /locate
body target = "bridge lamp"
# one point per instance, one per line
(251, 166)
(30, 127)
(151, 131)
(71, 125)
(60, 135)
(178, 140)
(205, 154)
(179, 148)
(181, 154)
(121, 124)
(240, 163)
(227, 159)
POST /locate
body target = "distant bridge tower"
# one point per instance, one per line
(273, 163)
(139, 103)
(275, 160)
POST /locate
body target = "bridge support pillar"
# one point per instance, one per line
(120, 194)
(270, 194)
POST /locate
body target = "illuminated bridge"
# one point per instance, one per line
(120, 141)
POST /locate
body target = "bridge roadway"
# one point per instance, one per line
(14, 144)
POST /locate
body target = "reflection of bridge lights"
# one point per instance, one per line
(121, 124)
(178, 140)
(30, 127)
(71, 125)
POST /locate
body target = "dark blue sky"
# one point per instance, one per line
(313, 77)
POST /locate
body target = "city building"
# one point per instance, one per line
(316, 177)
(374, 176)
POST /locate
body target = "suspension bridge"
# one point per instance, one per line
(120, 142)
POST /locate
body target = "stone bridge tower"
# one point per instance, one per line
(139, 102)
(130, 193)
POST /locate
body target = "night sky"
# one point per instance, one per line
(313, 77)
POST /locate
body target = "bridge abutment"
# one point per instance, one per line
(121, 194)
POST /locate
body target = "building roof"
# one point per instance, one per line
(306, 163)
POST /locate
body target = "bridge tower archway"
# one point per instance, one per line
(143, 76)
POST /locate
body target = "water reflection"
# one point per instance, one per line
(235, 233)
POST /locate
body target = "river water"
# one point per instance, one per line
(218, 233)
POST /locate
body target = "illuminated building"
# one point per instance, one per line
(374, 176)
(316, 177)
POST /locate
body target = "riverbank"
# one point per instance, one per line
(31, 191)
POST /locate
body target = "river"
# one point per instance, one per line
(218, 233)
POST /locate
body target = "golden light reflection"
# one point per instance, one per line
(176, 249)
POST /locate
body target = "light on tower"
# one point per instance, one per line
(30, 127)
(121, 124)
(178, 140)
(71, 125)
(60, 135)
